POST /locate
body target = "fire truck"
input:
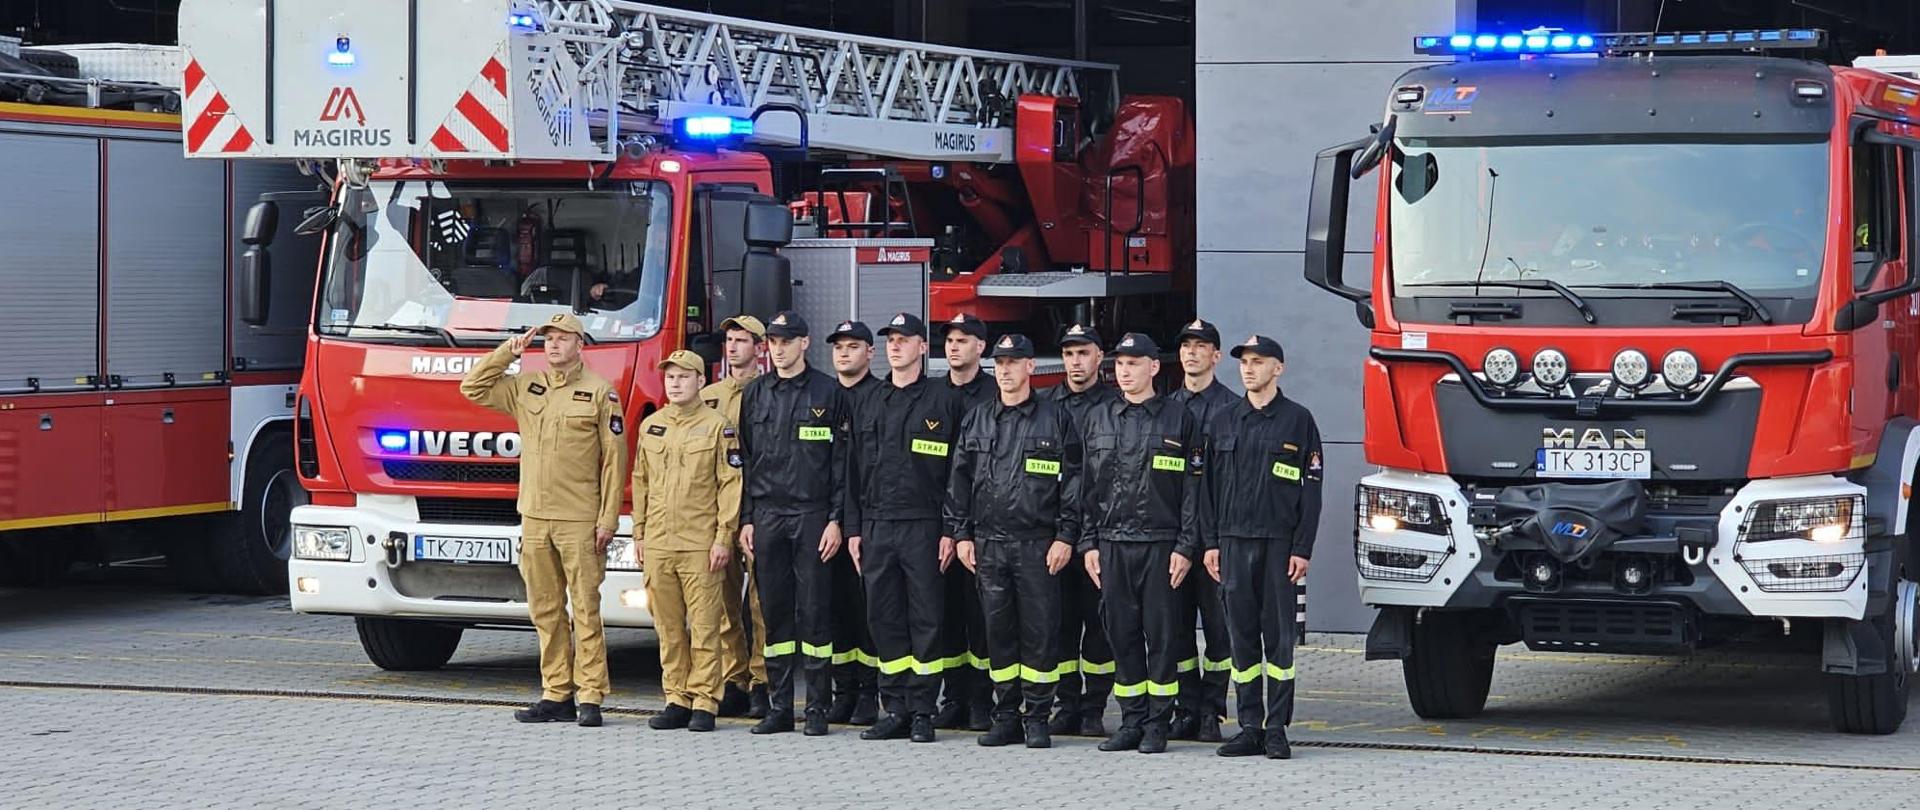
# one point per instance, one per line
(494, 162)
(140, 411)
(1642, 375)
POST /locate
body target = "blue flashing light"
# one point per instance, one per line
(1536, 42)
(1803, 35)
(1583, 41)
(1562, 42)
(342, 52)
(525, 21)
(1429, 42)
(715, 127)
(393, 440)
(1461, 42)
(1485, 41)
(1510, 42)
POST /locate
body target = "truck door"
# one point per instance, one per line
(1882, 176)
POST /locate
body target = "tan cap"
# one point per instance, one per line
(747, 322)
(684, 359)
(564, 322)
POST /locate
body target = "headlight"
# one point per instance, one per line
(620, 555)
(1821, 520)
(1502, 367)
(1680, 369)
(1550, 368)
(1389, 510)
(322, 543)
(1631, 369)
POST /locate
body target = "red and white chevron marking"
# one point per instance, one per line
(478, 121)
(211, 126)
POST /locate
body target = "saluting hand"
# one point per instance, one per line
(964, 550)
(521, 341)
(1093, 567)
(1211, 560)
(830, 541)
(1177, 567)
(1058, 555)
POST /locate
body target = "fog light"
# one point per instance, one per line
(1633, 576)
(1542, 572)
(306, 584)
(635, 598)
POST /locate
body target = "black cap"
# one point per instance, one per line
(905, 323)
(1202, 330)
(787, 324)
(1013, 344)
(852, 329)
(1077, 334)
(967, 323)
(1134, 344)
(1260, 345)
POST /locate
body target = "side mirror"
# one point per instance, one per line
(317, 220)
(769, 224)
(1326, 253)
(255, 283)
(262, 220)
(1382, 138)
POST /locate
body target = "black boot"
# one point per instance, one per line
(1093, 721)
(979, 715)
(890, 727)
(701, 721)
(1004, 730)
(866, 708)
(1065, 721)
(952, 715)
(548, 711)
(733, 701)
(1185, 726)
(674, 716)
(1277, 745)
(589, 715)
(816, 722)
(1154, 739)
(757, 702)
(1209, 731)
(774, 723)
(1248, 743)
(842, 709)
(1126, 739)
(1038, 735)
(922, 728)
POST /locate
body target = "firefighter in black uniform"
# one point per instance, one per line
(903, 434)
(855, 673)
(1142, 534)
(1083, 642)
(794, 443)
(1263, 498)
(969, 695)
(1203, 677)
(1013, 510)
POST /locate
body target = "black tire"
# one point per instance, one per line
(250, 547)
(1873, 704)
(1451, 668)
(403, 645)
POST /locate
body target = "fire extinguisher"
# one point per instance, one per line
(527, 243)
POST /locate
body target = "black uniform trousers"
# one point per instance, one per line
(853, 661)
(900, 562)
(964, 639)
(1203, 675)
(796, 598)
(1083, 643)
(1137, 606)
(1260, 617)
(1021, 601)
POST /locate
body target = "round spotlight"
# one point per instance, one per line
(1542, 572)
(1550, 368)
(1502, 367)
(1632, 370)
(1680, 369)
(1633, 575)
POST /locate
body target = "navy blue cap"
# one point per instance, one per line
(905, 323)
(1201, 329)
(967, 323)
(1260, 345)
(1078, 334)
(787, 324)
(1013, 344)
(852, 329)
(1135, 344)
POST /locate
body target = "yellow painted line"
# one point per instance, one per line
(123, 514)
(51, 521)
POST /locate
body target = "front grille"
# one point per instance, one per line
(467, 473)
(469, 511)
(1606, 626)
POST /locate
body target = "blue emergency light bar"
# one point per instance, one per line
(713, 128)
(1545, 41)
(393, 440)
(522, 21)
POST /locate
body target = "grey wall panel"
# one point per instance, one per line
(280, 343)
(1333, 592)
(1247, 293)
(166, 255)
(49, 260)
(1317, 31)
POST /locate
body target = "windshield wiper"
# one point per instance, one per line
(411, 329)
(1715, 285)
(1586, 312)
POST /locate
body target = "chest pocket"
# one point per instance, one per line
(929, 438)
(532, 403)
(1168, 454)
(812, 423)
(1286, 462)
(1041, 458)
(580, 417)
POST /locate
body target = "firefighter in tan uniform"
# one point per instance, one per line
(686, 513)
(743, 665)
(571, 478)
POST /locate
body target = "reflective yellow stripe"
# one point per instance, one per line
(928, 447)
(1041, 466)
(843, 658)
(1068, 667)
(816, 434)
(1170, 463)
(1032, 675)
(1188, 665)
(1091, 668)
(1280, 673)
(977, 662)
(1222, 665)
(777, 650)
(906, 663)
(1127, 690)
(1006, 673)
(1157, 689)
(816, 650)
(867, 658)
(1286, 471)
(1274, 671)
(1247, 675)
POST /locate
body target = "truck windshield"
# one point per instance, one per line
(1751, 214)
(469, 263)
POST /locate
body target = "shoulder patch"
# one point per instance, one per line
(617, 426)
(656, 430)
(733, 458)
(1313, 461)
(729, 432)
(536, 389)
